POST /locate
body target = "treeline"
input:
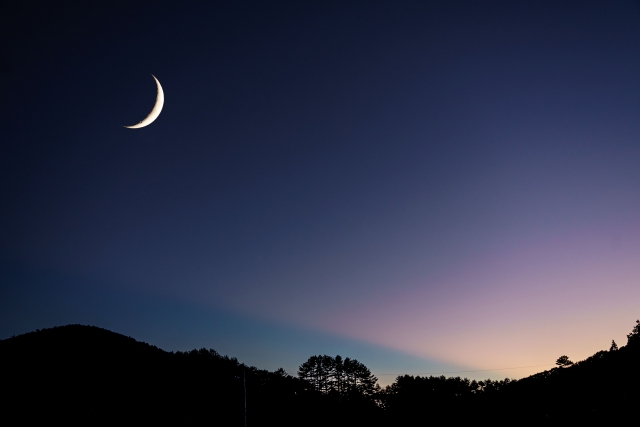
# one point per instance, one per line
(600, 390)
(87, 375)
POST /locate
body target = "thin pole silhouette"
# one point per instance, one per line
(244, 381)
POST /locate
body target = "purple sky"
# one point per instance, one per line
(426, 187)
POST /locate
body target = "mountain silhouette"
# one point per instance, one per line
(87, 375)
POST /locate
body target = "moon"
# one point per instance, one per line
(155, 112)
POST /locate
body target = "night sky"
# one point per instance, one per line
(423, 186)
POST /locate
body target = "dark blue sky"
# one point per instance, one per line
(436, 183)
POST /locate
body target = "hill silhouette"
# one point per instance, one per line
(601, 389)
(87, 375)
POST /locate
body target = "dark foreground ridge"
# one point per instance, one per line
(86, 375)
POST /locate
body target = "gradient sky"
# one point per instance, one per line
(426, 187)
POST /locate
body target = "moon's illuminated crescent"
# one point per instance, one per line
(156, 108)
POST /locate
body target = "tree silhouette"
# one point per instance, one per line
(634, 336)
(359, 378)
(328, 374)
(564, 362)
(614, 346)
(318, 371)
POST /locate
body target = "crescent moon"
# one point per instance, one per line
(157, 108)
